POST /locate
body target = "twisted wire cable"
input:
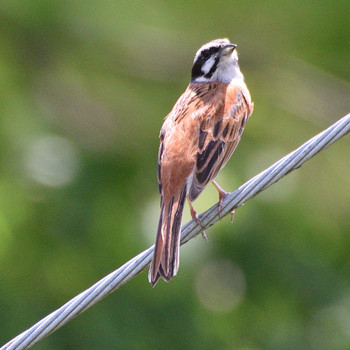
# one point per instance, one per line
(233, 200)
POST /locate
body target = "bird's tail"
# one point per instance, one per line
(166, 257)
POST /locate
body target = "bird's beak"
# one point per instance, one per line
(228, 49)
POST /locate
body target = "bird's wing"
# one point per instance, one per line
(219, 135)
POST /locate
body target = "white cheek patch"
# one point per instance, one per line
(208, 65)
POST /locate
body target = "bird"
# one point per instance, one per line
(197, 138)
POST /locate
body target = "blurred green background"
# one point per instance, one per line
(84, 88)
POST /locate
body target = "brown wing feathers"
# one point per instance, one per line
(218, 137)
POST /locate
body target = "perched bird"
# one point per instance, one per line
(197, 138)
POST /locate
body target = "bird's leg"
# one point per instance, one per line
(222, 195)
(195, 217)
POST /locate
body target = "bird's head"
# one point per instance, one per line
(216, 61)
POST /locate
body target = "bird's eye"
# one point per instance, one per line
(205, 54)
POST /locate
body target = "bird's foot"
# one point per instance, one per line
(196, 218)
(222, 195)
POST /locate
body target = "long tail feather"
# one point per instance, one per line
(166, 257)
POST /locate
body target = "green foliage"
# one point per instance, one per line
(84, 87)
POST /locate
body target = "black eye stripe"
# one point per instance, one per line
(206, 53)
(204, 56)
(209, 52)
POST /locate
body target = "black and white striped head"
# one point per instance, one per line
(216, 61)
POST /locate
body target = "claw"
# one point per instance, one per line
(205, 236)
(232, 216)
(195, 217)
